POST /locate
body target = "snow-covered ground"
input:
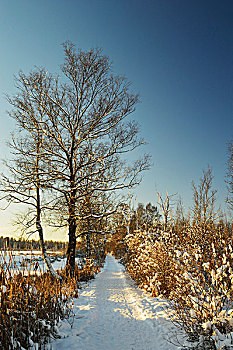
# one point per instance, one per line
(112, 313)
(20, 257)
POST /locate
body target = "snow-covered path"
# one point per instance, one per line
(113, 314)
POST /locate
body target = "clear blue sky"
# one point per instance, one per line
(177, 53)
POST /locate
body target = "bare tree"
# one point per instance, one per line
(85, 132)
(126, 212)
(204, 200)
(165, 207)
(180, 217)
(28, 170)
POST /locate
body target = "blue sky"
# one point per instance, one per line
(178, 54)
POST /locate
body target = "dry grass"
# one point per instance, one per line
(32, 303)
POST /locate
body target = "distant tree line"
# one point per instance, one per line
(21, 243)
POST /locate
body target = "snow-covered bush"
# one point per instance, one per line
(149, 261)
(194, 270)
(202, 301)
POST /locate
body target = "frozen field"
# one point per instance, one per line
(25, 258)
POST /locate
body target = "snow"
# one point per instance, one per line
(207, 325)
(19, 258)
(3, 289)
(112, 313)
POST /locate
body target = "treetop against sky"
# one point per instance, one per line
(178, 56)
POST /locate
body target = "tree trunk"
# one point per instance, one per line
(103, 251)
(88, 252)
(41, 237)
(70, 263)
(44, 253)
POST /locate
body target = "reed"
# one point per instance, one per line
(32, 303)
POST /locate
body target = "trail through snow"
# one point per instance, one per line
(112, 313)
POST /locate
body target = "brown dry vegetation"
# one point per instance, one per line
(32, 303)
(193, 268)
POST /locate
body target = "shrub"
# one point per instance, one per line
(202, 300)
(149, 261)
(193, 268)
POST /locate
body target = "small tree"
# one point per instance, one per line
(29, 171)
(165, 207)
(204, 201)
